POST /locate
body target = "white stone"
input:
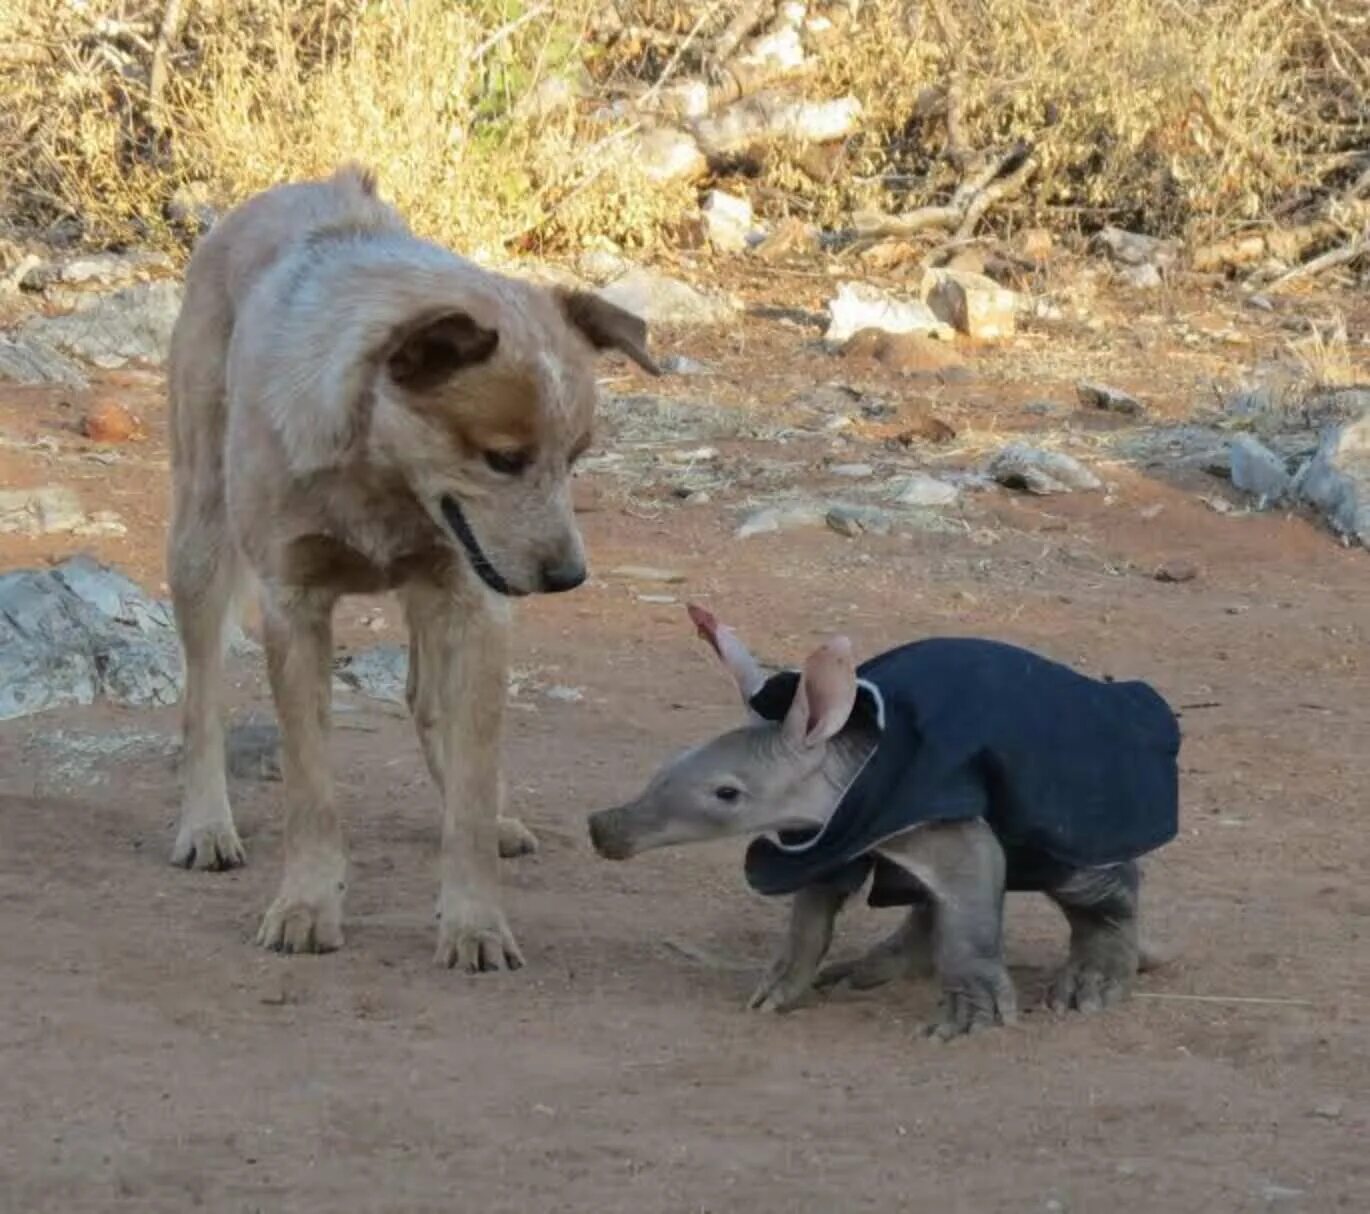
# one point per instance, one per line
(973, 304)
(860, 306)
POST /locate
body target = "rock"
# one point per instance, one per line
(851, 521)
(922, 490)
(96, 269)
(665, 154)
(791, 237)
(1257, 470)
(854, 472)
(1330, 1110)
(553, 94)
(27, 360)
(101, 522)
(1141, 278)
(43, 511)
(109, 331)
(860, 306)
(1134, 249)
(1337, 479)
(727, 221)
(972, 304)
(1034, 470)
(602, 265)
(1112, 400)
(252, 749)
(661, 300)
(567, 695)
(381, 672)
(771, 115)
(190, 209)
(111, 423)
(1177, 572)
(683, 364)
(906, 353)
(81, 631)
(771, 519)
(647, 573)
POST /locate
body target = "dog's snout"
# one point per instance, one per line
(561, 575)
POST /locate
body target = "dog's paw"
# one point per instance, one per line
(208, 845)
(473, 936)
(306, 916)
(515, 839)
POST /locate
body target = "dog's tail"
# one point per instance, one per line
(354, 175)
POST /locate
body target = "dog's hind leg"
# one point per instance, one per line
(306, 916)
(204, 573)
(1101, 907)
(458, 670)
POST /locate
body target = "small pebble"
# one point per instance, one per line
(1177, 571)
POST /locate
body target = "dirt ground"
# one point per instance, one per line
(153, 1059)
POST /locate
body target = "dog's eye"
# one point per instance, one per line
(727, 792)
(508, 463)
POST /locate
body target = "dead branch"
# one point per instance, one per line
(1284, 244)
(167, 33)
(994, 180)
(748, 16)
(1341, 256)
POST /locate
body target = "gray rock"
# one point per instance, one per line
(727, 220)
(43, 511)
(859, 305)
(925, 491)
(96, 269)
(252, 749)
(29, 360)
(661, 300)
(1134, 249)
(1113, 400)
(110, 331)
(852, 521)
(787, 517)
(380, 672)
(1337, 479)
(683, 364)
(78, 632)
(1034, 470)
(1141, 278)
(1257, 470)
(852, 472)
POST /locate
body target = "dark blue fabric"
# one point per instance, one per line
(1068, 771)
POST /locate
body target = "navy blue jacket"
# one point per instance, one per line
(1068, 771)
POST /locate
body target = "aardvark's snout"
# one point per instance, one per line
(609, 834)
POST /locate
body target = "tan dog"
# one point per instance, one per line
(355, 410)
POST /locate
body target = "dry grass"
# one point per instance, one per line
(1173, 116)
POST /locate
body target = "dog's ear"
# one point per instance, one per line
(431, 349)
(606, 326)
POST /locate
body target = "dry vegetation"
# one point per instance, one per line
(1187, 117)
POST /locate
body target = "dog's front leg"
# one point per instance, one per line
(306, 916)
(459, 656)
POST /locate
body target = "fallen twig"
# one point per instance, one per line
(1254, 999)
(1322, 263)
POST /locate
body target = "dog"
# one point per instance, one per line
(356, 410)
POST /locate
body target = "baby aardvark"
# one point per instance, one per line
(947, 771)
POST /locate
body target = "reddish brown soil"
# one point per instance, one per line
(152, 1059)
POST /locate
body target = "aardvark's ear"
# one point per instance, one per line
(825, 697)
(744, 668)
(606, 326)
(428, 350)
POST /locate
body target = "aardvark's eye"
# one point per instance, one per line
(508, 463)
(727, 792)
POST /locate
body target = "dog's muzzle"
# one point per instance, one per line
(487, 573)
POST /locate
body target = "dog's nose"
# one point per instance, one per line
(562, 575)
